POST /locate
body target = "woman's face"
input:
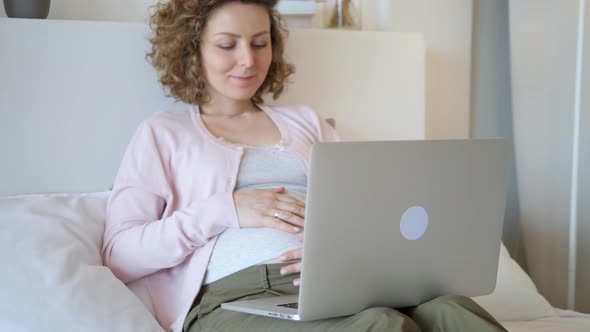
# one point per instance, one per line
(236, 50)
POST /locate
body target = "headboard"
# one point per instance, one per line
(73, 92)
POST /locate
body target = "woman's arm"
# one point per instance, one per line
(137, 241)
(137, 246)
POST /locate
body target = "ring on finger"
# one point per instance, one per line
(276, 214)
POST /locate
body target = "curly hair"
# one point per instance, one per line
(177, 26)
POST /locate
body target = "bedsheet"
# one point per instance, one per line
(563, 321)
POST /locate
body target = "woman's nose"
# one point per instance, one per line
(246, 57)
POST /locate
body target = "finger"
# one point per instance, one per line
(289, 217)
(292, 255)
(290, 199)
(277, 223)
(290, 207)
(297, 282)
(277, 190)
(290, 269)
(300, 238)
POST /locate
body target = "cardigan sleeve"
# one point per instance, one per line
(137, 240)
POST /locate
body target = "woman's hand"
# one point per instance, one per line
(269, 208)
(292, 255)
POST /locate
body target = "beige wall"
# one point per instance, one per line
(446, 26)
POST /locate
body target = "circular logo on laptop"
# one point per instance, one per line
(414, 223)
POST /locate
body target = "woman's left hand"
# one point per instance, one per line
(290, 256)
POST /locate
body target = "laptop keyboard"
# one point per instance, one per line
(294, 305)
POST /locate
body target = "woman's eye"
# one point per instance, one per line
(228, 47)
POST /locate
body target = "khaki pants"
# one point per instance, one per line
(446, 313)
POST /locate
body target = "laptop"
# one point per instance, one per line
(396, 224)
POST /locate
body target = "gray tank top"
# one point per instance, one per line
(237, 249)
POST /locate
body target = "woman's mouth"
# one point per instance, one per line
(243, 79)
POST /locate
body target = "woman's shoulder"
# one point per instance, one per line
(305, 120)
(297, 114)
(167, 128)
(169, 120)
(300, 110)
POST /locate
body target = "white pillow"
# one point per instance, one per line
(515, 297)
(52, 275)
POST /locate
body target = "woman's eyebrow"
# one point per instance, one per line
(236, 35)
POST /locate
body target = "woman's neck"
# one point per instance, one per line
(227, 108)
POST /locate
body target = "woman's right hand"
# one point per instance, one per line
(269, 208)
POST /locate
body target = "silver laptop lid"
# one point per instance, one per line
(369, 203)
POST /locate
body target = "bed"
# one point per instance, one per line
(71, 95)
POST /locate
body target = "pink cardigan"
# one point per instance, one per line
(173, 195)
